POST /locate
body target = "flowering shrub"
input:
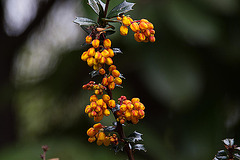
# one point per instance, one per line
(100, 56)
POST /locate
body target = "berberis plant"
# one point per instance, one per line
(100, 56)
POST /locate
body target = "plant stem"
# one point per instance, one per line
(106, 8)
(121, 133)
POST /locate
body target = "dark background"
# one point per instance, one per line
(188, 79)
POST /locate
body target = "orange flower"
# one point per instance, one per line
(123, 30)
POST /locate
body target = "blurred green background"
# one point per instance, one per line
(188, 79)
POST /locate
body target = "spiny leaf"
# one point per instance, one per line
(116, 108)
(117, 50)
(135, 136)
(120, 9)
(95, 4)
(221, 155)
(228, 142)
(84, 21)
(109, 128)
(119, 86)
(94, 73)
(236, 155)
(118, 147)
(139, 147)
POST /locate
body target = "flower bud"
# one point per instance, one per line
(97, 92)
(128, 115)
(91, 52)
(152, 31)
(93, 105)
(106, 112)
(107, 43)
(105, 53)
(141, 112)
(106, 98)
(88, 39)
(147, 33)
(119, 18)
(126, 21)
(135, 27)
(136, 37)
(130, 106)
(143, 26)
(141, 37)
(94, 113)
(123, 108)
(95, 43)
(102, 60)
(105, 81)
(99, 143)
(91, 132)
(98, 55)
(88, 109)
(97, 126)
(93, 98)
(98, 109)
(111, 68)
(111, 103)
(100, 102)
(91, 139)
(111, 53)
(101, 136)
(135, 100)
(90, 61)
(110, 79)
(141, 106)
(137, 105)
(150, 25)
(134, 120)
(84, 56)
(135, 113)
(118, 81)
(115, 73)
(98, 118)
(122, 121)
(144, 20)
(106, 141)
(102, 71)
(152, 39)
(123, 30)
(109, 61)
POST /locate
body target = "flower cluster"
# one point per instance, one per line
(130, 110)
(97, 133)
(98, 88)
(99, 54)
(112, 78)
(144, 30)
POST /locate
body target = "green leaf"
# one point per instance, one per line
(95, 4)
(139, 147)
(94, 73)
(135, 136)
(120, 9)
(221, 155)
(109, 128)
(118, 147)
(84, 21)
(117, 50)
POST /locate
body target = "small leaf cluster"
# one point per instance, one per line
(231, 151)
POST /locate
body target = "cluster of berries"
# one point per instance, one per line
(99, 54)
(98, 88)
(99, 107)
(97, 133)
(130, 110)
(144, 30)
(113, 78)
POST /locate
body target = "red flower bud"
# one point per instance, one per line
(88, 39)
(135, 27)
(84, 56)
(95, 43)
(107, 43)
(115, 73)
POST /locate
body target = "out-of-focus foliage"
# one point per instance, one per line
(188, 80)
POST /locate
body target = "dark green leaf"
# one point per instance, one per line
(135, 136)
(109, 20)
(120, 9)
(95, 4)
(139, 147)
(110, 32)
(86, 29)
(236, 155)
(84, 21)
(228, 141)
